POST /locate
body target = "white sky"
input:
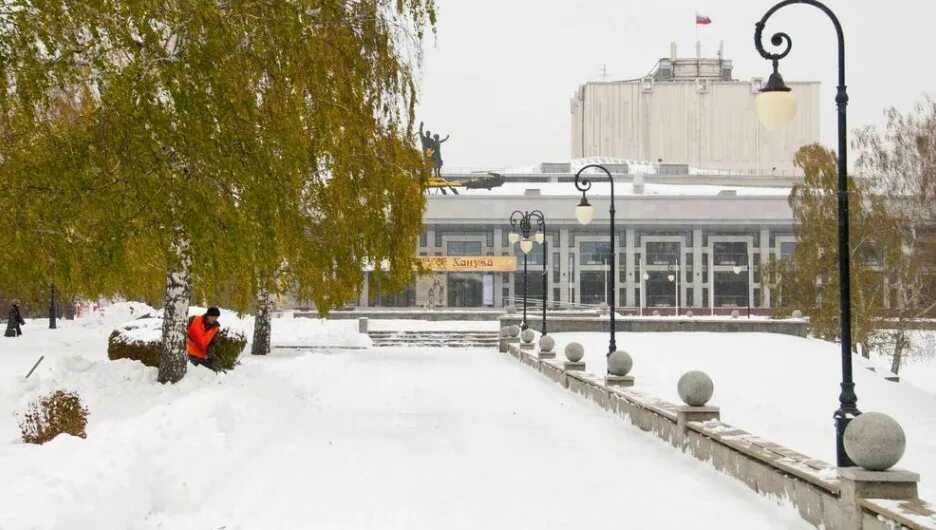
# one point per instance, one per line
(501, 73)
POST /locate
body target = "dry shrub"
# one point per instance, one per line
(52, 415)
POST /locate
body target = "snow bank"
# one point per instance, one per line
(115, 314)
(421, 439)
(780, 387)
(321, 333)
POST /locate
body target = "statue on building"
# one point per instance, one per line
(432, 148)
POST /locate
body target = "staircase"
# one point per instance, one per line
(435, 339)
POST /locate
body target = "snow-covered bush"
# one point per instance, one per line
(52, 415)
(140, 340)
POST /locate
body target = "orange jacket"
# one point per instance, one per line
(200, 337)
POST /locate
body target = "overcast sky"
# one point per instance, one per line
(501, 73)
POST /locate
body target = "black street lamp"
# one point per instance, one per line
(585, 212)
(776, 105)
(521, 224)
(52, 306)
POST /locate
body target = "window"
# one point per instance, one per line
(594, 285)
(555, 267)
(730, 253)
(869, 254)
(595, 253)
(534, 257)
(662, 253)
(464, 248)
(786, 250)
(423, 239)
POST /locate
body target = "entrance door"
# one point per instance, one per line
(465, 289)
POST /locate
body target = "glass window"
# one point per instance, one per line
(786, 250)
(662, 253)
(423, 239)
(555, 267)
(661, 291)
(594, 287)
(534, 257)
(464, 248)
(465, 289)
(731, 289)
(730, 253)
(594, 253)
(534, 287)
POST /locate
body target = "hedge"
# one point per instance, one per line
(229, 344)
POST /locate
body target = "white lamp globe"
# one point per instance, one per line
(513, 237)
(526, 245)
(670, 277)
(775, 108)
(584, 213)
(736, 269)
(540, 237)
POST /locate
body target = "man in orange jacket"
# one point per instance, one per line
(202, 330)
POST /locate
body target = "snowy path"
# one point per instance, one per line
(380, 439)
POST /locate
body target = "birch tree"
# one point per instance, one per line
(209, 143)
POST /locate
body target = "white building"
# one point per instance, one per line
(690, 111)
(703, 228)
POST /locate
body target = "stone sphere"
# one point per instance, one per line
(603, 308)
(735, 313)
(547, 343)
(527, 336)
(505, 331)
(513, 331)
(695, 388)
(689, 313)
(875, 441)
(797, 314)
(512, 309)
(620, 363)
(656, 313)
(574, 352)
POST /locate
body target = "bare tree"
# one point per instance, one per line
(900, 164)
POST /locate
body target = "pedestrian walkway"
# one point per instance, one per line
(410, 438)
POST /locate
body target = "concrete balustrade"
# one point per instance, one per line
(851, 498)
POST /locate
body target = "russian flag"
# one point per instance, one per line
(702, 20)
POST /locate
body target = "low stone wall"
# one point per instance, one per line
(561, 324)
(414, 314)
(812, 486)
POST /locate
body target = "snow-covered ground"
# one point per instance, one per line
(780, 387)
(395, 439)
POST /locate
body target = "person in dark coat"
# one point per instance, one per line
(14, 321)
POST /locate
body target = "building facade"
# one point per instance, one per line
(686, 240)
(690, 111)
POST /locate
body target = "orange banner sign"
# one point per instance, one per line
(469, 263)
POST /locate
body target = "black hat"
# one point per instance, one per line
(213, 312)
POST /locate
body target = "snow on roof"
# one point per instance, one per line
(634, 167)
(624, 188)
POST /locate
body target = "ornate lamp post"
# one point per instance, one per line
(585, 212)
(52, 324)
(521, 224)
(776, 105)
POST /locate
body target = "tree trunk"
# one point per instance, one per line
(174, 360)
(261, 338)
(899, 346)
